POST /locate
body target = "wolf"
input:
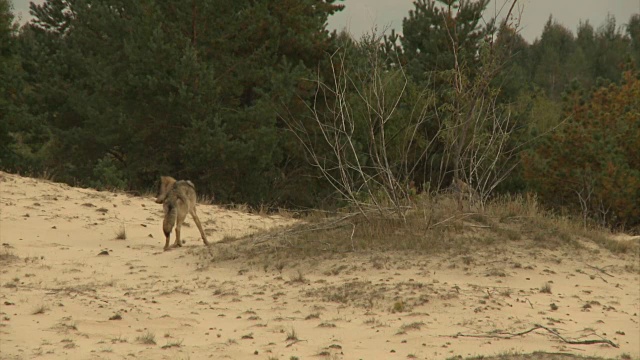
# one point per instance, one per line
(462, 191)
(178, 199)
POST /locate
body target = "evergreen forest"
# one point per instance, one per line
(258, 103)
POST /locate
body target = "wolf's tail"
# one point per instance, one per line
(170, 218)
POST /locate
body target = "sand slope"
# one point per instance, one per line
(60, 299)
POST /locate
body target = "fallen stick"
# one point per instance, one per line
(294, 342)
(600, 269)
(506, 335)
(529, 301)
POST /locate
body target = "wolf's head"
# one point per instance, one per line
(165, 185)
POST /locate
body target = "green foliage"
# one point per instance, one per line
(551, 70)
(10, 85)
(107, 174)
(513, 53)
(592, 163)
(360, 130)
(559, 57)
(633, 31)
(130, 91)
(113, 94)
(446, 46)
(436, 30)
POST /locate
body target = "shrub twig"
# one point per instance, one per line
(507, 335)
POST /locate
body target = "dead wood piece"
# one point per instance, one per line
(600, 269)
(507, 335)
(294, 342)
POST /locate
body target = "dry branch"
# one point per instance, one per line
(600, 270)
(354, 134)
(507, 335)
(333, 223)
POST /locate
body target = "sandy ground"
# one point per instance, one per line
(60, 299)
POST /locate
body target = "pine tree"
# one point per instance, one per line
(551, 55)
(436, 30)
(633, 31)
(8, 84)
(592, 165)
(132, 90)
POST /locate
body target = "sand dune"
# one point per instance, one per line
(61, 299)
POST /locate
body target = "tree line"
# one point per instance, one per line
(257, 102)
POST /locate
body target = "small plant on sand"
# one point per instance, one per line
(546, 288)
(292, 336)
(121, 234)
(148, 338)
(399, 306)
(327, 325)
(119, 339)
(67, 325)
(370, 321)
(315, 315)
(7, 256)
(299, 278)
(40, 310)
(413, 326)
(171, 344)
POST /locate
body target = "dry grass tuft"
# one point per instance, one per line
(433, 225)
(148, 338)
(313, 316)
(409, 327)
(604, 240)
(7, 256)
(292, 335)
(299, 278)
(546, 288)
(121, 234)
(327, 325)
(41, 309)
(172, 344)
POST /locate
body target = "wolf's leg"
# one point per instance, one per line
(166, 243)
(182, 214)
(169, 221)
(197, 221)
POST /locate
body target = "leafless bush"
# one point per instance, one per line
(355, 135)
(368, 129)
(478, 132)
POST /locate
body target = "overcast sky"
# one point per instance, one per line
(360, 16)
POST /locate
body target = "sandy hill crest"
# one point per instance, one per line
(60, 299)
